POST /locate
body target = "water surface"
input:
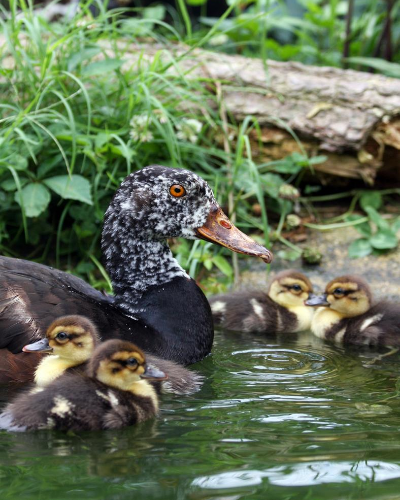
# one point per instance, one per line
(278, 418)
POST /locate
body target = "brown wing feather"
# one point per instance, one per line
(19, 367)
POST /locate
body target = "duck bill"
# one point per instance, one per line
(317, 301)
(219, 229)
(153, 373)
(39, 346)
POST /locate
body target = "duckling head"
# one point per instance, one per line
(348, 295)
(121, 364)
(290, 289)
(72, 338)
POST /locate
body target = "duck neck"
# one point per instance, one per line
(50, 368)
(136, 263)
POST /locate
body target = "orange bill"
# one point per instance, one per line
(219, 229)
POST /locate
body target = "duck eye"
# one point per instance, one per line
(296, 288)
(338, 291)
(62, 336)
(177, 190)
(131, 362)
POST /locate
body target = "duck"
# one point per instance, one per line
(115, 392)
(280, 309)
(71, 341)
(347, 314)
(155, 303)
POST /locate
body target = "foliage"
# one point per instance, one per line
(79, 110)
(76, 119)
(378, 234)
(311, 32)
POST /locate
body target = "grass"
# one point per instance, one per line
(77, 117)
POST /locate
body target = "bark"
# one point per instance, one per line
(350, 116)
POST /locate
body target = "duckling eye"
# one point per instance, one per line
(62, 336)
(177, 190)
(296, 288)
(131, 362)
(338, 291)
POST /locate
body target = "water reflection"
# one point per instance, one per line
(277, 418)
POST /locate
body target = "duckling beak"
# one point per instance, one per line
(39, 346)
(219, 229)
(153, 373)
(316, 300)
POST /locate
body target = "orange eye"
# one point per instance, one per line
(177, 190)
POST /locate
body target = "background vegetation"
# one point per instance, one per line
(73, 125)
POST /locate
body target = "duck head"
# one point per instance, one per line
(72, 338)
(121, 364)
(348, 295)
(290, 289)
(157, 203)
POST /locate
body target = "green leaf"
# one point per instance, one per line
(384, 239)
(396, 225)
(102, 67)
(35, 197)
(376, 218)
(386, 67)
(371, 199)
(75, 187)
(364, 228)
(156, 13)
(290, 255)
(81, 56)
(18, 162)
(359, 248)
(223, 265)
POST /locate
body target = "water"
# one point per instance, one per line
(278, 418)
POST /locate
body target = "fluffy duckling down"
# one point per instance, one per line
(346, 313)
(114, 393)
(70, 340)
(281, 309)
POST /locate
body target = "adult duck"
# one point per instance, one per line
(155, 304)
(348, 314)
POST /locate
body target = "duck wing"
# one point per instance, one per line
(33, 295)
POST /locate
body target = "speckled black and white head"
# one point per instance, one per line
(162, 202)
(150, 206)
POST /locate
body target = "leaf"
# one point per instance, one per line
(364, 228)
(371, 199)
(18, 162)
(376, 218)
(359, 248)
(102, 67)
(396, 225)
(223, 265)
(157, 12)
(81, 56)
(290, 255)
(389, 68)
(35, 198)
(75, 187)
(384, 239)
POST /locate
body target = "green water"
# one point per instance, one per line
(276, 419)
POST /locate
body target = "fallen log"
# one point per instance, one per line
(351, 117)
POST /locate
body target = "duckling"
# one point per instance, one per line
(72, 339)
(114, 393)
(281, 309)
(346, 314)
